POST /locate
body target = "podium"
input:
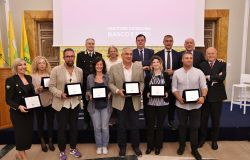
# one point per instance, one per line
(4, 108)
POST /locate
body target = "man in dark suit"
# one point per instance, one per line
(84, 61)
(198, 56)
(215, 72)
(171, 62)
(141, 53)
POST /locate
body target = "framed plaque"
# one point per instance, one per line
(73, 89)
(99, 92)
(191, 95)
(32, 102)
(131, 88)
(45, 82)
(157, 91)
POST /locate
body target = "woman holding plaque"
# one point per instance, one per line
(17, 87)
(99, 106)
(40, 75)
(155, 99)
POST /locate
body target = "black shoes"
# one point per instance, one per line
(122, 152)
(137, 151)
(157, 151)
(51, 146)
(196, 154)
(149, 150)
(214, 145)
(43, 145)
(181, 150)
(201, 143)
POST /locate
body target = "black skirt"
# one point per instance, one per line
(23, 128)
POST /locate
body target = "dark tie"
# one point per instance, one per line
(168, 60)
(141, 54)
(90, 54)
(211, 64)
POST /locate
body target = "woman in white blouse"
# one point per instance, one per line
(113, 56)
(41, 68)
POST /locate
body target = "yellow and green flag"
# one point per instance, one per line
(11, 41)
(2, 57)
(25, 52)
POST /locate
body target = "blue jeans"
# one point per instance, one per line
(100, 119)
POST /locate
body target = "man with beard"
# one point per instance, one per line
(66, 107)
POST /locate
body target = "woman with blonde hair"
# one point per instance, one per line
(41, 68)
(17, 87)
(113, 57)
(156, 107)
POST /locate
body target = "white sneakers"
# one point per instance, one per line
(102, 150)
(99, 150)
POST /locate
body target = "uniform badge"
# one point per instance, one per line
(8, 86)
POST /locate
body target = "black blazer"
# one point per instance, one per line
(148, 53)
(15, 92)
(216, 91)
(147, 87)
(176, 59)
(198, 58)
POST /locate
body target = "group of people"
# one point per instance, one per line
(176, 71)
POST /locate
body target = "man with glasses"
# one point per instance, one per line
(66, 107)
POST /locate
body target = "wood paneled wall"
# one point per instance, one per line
(4, 108)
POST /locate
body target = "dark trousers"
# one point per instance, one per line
(193, 118)
(64, 117)
(172, 107)
(41, 112)
(86, 113)
(128, 120)
(212, 109)
(155, 120)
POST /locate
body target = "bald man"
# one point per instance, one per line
(215, 72)
(198, 56)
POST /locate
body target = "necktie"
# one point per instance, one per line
(90, 54)
(211, 64)
(168, 60)
(141, 54)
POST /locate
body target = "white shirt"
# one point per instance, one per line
(71, 102)
(111, 63)
(127, 73)
(194, 78)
